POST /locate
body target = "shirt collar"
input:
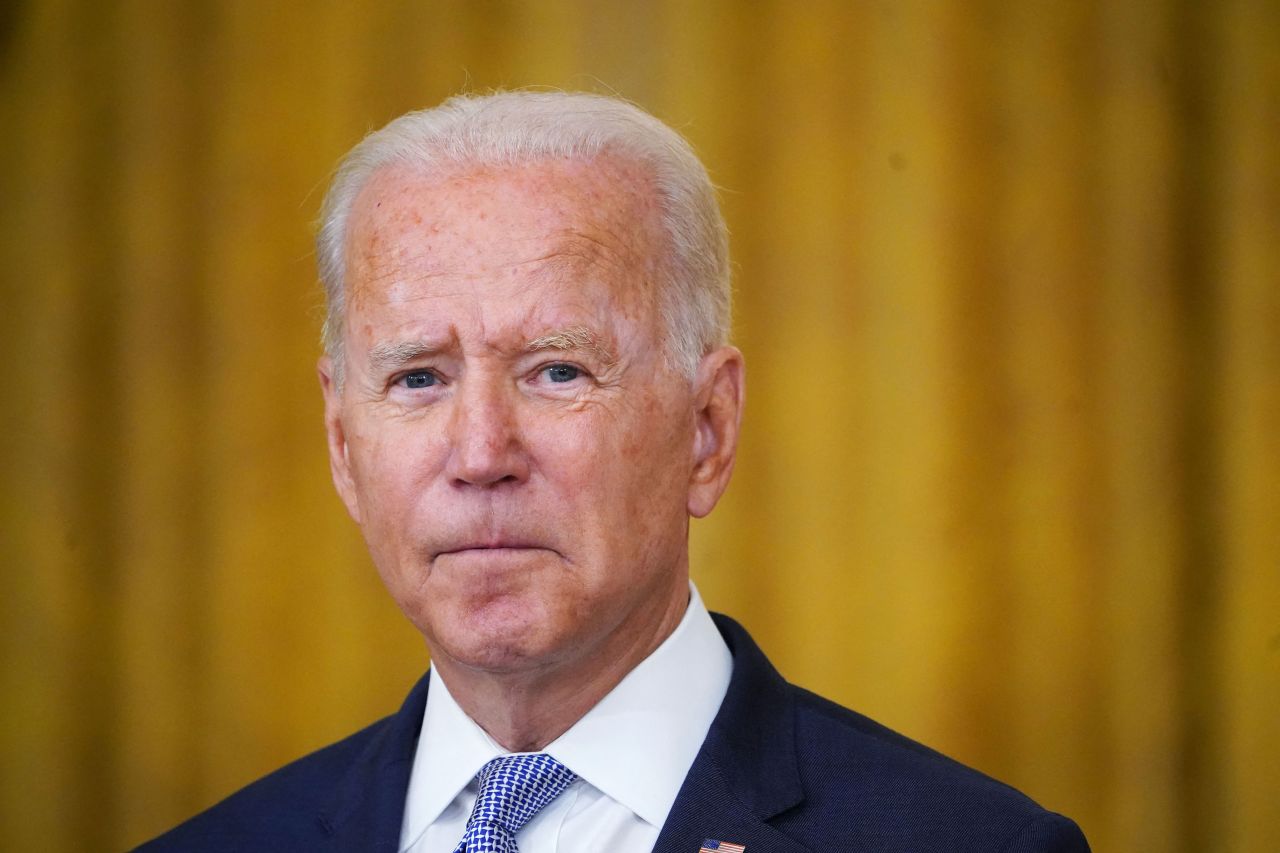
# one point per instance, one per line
(451, 750)
(636, 745)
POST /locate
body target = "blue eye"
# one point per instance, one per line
(562, 372)
(420, 379)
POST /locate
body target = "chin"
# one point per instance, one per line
(500, 636)
(503, 655)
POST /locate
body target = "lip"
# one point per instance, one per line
(493, 547)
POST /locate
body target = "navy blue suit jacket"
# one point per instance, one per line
(781, 771)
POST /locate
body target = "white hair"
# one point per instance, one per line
(512, 128)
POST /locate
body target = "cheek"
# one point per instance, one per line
(633, 466)
(388, 465)
(660, 442)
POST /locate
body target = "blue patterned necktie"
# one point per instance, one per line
(513, 788)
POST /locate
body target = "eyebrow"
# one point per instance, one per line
(389, 356)
(574, 338)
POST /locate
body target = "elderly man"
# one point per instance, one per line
(528, 392)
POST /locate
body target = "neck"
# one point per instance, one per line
(526, 710)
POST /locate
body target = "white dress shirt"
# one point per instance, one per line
(631, 753)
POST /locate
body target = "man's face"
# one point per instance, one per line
(519, 457)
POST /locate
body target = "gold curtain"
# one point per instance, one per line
(1008, 280)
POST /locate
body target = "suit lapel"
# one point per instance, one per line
(367, 806)
(746, 771)
(708, 808)
(744, 775)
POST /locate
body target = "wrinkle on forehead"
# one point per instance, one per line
(557, 221)
(573, 251)
(578, 258)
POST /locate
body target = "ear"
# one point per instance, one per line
(335, 432)
(718, 397)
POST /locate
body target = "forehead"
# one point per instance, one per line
(559, 217)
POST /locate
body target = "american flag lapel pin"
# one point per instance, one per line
(714, 845)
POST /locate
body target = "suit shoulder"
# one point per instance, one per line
(893, 791)
(279, 811)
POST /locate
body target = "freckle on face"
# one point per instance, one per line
(600, 486)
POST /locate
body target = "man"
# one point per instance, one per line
(528, 392)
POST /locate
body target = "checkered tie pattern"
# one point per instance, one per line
(513, 788)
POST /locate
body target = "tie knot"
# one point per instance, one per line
(513, 788)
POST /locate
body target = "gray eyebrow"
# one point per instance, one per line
(391, 355)
(574, 338)
(388, 356)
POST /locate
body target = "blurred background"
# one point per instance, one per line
(1008, 284)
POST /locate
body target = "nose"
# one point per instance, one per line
(486, 448)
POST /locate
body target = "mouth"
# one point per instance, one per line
(495, 549)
